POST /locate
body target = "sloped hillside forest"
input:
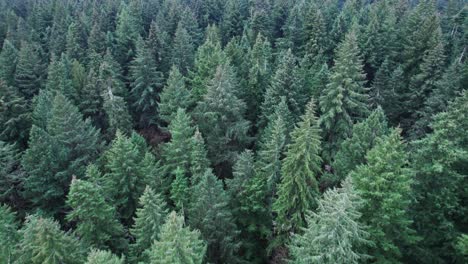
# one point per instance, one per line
(233, 131)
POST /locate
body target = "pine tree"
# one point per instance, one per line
(440, 189)
(344, 101)
(220, 117)
(146, 83)
(334, 233)
(183, 50)
(353, 150)
(210, 213)
(180, 189)
(29, 70)
(42, 241)
(286, 82)
(384, 184)
(15, 115)
(57, 151)
(128, 169)
(177, 244)
(8, 234)
(175, 95)
(96, 219)
(207, 59)
(103, 257)
(298, 189)
(8, 60)
(148, 221)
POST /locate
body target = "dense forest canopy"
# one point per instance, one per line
(233, 131)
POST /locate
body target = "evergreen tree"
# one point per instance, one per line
(207, 59)
(316, 36)
(96, 219)
(29, 70)
(353, 150)
(76, 41)
(159, 42)
(182, 50)
(148, 221)
(90, 101)
(220, 117)
(11, 173)
(14, 115)
(59, 77)
(384, 184)
(146, 85)
(127, 31)
(344, 100)
(103, 257)
(8, 234)
(440, 189)
(198, 156)
(128, 169)
(8, 60)
(117, 114)
(233, 19)
(42, 241)
(175, 95)
(334, 233)
(57, 151)
(180, 189)
(298, 189)
(177, 244)
(210, 213)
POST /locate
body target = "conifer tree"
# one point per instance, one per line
(175, 95)
(207, 59)
(90, 101)
(117, 114)
(159, 41)
(29, 70)
(298, 189)
(210, 213)
(11, 173)
(57, 151)
(42, 241)
(353, 150)
(15, 115)
(199, 156)
(180, 189)
(59, 77)
(183, 50)
(127, 31)
(233, 19)
(148, 221)
(220, 117)
(177, 244)
(103, 257)
(96, 219)
(334, 233)
(146, 83)
(76, 41)
(384, 184)
(316, 36)
(440, 189)
(8, 60)
(128, 169)
(8, 234)
(344, 100)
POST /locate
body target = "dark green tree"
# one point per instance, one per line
(29, 70)
(175, 95)
(8, 234)
(8, 60)
(183, 51)
(11, 174)
(180, 189)
(59, 77)
(15, 115)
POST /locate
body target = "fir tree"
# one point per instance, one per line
(90, 101)
(117, 114)
(148, 221)
(210, 213)
(180, 189)
(334, 233)
(8, 234)
(298, 189)
(96, 219)
(146, 84)
(103, 257)
(42, 241)
(344, 100)
(59, 77)
(159, 42)
(15, 115)
(177, 244)
(11, 173)
(8, 60)
(198, 156)
(127, 31)
(220, 117)
(384, 184)
(183, 50)
(29, 70)
(76, 41)
(175, 95)
(316, 36)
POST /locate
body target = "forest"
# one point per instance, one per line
(233, 131)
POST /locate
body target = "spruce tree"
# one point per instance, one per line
(298, 189)
(198, 156)
(316, 36)
(29, 70)
(8, 60)
(175, 95)
(15, 115)
(384, 184)
(90, 101)
(42, 241)
(180, 190)
(96, 219)
(59, 77)
(103, 257)
(210, 213)
(11, 173)
(127, 31)
(177, 244)
(76, 41)
(160, 43)
(148, 221)
(117, 114)
(146, 83)
(334, 233)
(220, 117)
(8, 234)
(344, 100)
(183, 51)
